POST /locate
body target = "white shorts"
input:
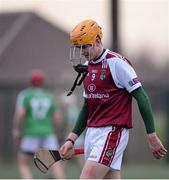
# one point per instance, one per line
(32, 144)
(106, 145)
(80, 141)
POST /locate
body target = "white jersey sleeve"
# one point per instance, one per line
(123, 74)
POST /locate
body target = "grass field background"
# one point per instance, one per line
(130, 171)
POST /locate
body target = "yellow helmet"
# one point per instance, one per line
(85, 33)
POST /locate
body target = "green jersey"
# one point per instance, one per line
(39, 108)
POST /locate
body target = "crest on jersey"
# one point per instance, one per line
(103, 74)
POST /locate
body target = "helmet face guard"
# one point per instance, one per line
(77, 56)
(78, 60)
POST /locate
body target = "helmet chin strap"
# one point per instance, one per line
(81, 69)
(82, 72)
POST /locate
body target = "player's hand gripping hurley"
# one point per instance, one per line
(44, 159)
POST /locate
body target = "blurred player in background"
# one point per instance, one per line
(70, 112)
(36, 121)
(109, 86)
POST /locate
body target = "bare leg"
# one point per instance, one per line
(113, 174)
(94, 170)
(23, 164)
(57, 171)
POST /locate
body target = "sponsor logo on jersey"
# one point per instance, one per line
(98, 96)
(91, 87)
(133, 81)
(103, 75)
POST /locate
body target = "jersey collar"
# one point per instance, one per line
(101, 57)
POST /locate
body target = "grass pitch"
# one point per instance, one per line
(130, 171)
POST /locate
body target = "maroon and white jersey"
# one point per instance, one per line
(107, 88)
